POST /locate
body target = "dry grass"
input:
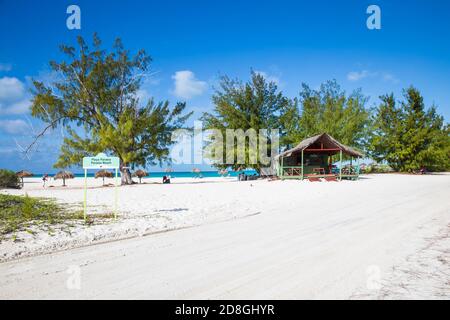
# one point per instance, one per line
(26, 214)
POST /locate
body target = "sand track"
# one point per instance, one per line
(298, 240)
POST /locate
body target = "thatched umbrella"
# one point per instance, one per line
(223, 172)
(103, 174)
(140, 174)
(198, 172)
(23, 174)
(168, 170)
(64, 175)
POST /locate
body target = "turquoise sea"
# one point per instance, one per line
(180, 174)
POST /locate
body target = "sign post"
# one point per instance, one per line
(100, 161)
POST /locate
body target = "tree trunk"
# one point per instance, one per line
(125, 175)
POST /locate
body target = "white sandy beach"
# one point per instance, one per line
(384, 236)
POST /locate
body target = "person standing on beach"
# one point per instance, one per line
(44, 179)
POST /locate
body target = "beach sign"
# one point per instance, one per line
(100, 161)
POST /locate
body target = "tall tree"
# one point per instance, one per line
(255, 105)
(95, 98)
(328, 109)
(410, 136)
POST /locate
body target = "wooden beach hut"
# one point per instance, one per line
(313, 158)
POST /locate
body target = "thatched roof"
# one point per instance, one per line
(140, 173)
(24, 173)
(325, 138)
(103, 174)
(64, 175)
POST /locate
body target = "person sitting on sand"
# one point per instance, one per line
(166, 179)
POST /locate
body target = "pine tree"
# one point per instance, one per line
(257, 105)
(328, 109)
(410, 137)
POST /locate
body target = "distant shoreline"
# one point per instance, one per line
(160, 174)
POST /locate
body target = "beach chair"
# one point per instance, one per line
(313, 179)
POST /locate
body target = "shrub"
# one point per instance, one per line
(9, 179)
(24, 213)
(377, 168)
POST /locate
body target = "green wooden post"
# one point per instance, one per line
(282, 167)
(277, 166)
(340, 165)
(115, 195)
(351, 167)
(85, 196)
(357, 168)
(302, 166)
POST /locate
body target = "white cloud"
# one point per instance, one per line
(14, 126)
(390, 78)
(187, 86)
(5, 67)
(270, 78)
(358, 75)
(11, 89)
(14, 98)
(18, 107)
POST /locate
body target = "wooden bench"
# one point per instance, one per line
(320, 171)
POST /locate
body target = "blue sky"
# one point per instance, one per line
(193, 42)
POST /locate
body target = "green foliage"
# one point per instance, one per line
(95, 98)
(408, 136)
(328, 110)
(9, 179)
(256, 105)
(18, 213)
(376, 168)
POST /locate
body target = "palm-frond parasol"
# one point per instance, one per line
(23, 174)
(197, 172)
(223, 172)
(103, 174)
(140, 174)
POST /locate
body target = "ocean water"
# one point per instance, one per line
(180, 174)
